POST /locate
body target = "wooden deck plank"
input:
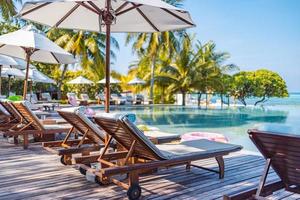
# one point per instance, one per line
(37, 174)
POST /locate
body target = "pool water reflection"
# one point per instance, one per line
(232, 122)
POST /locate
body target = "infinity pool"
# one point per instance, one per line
(232, 122)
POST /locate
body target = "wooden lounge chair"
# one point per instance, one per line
(14, 118)
(140, 154)
(85, 97)
(281, 152)
(91, 134)
(32, 125)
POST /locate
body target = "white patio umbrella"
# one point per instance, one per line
(9, 71)
(108, 16)
(31, 45)
(111, 80)
(35, 75)
(80, 80)
(136, 81)
(5, 60)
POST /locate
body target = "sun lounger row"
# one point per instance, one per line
(118, 146)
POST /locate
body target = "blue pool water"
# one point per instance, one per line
(233, 122)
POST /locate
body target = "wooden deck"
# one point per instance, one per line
(37, 174)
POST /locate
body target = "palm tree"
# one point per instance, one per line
(8, 8)
(150, 46)
(210, 69)
(181, 72)
(89, 47)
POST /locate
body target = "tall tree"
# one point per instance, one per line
(180, 74)
(89, 47)
(149, 46)
(8, 8)
(210, 68)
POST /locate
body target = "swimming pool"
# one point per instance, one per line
(233, 122)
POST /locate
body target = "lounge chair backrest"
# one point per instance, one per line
(72, 99)
(11, 110)
(3, 111)
(71, 94)
(284, 152)
(32, 98)
(84, 97)
(27, 114)
(125, 132)
(81, 123)
(46, 96)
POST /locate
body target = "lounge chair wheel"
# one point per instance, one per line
(62, 160)
(101, 181)
(82, 171)
(134, 192)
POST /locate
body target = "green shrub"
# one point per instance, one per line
(15, 98)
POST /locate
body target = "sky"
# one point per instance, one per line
(256, 33)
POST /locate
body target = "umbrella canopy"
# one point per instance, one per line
(81, 80)
(6, 60)
(111, 80)
(43, 50)
(128, 16)
(9, 71)
(37, 76)
(30, 44)
(136, 81)
(109, 16)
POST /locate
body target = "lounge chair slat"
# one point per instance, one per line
(81, 126)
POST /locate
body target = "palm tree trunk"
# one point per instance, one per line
(59, 84)
(163, 95)
(152, 79)
(228, 100)
(183, 98)
(206, 99)
(221, 100)
(199, 99)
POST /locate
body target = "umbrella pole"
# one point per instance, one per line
(0, 80)
(9, 76)
(28, 54)
(108, 21)
(31, 85)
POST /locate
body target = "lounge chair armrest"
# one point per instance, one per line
(73, 150)
(164, 163)
(94, 158)
(69, 143)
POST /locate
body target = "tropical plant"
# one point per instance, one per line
(153, 46)
(180, 74)
(210, 69)
(261, 84)
(88, 47)
(8, 8)
(243, 86)
(268, 84)
(150, 48)
(7, 27)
